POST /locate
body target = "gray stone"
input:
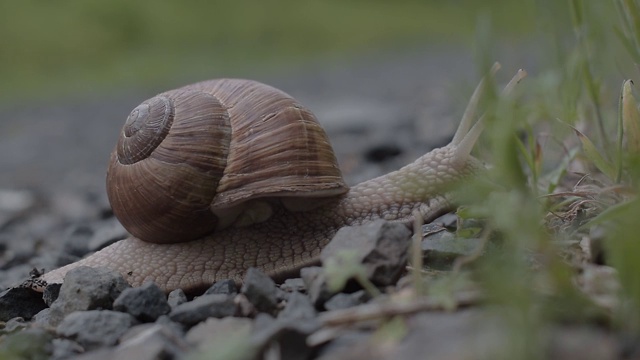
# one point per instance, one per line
(298, 307)
(65, 348)
(165, 320)
(294, 284)
(214, 329)
(344, 301)
(42, 318)
(382, 247)
(284, 336)
(350, 341)
(441, 249)
(86, 288)
(152, 341)
(442, 333)
(584, 343)
(316, 284)
(260, 290)
(51, 293)
(226, 287)
(95, 328)
(206, 306)
(13, 325)
(176, 297)
(20, 302)
(146, 303)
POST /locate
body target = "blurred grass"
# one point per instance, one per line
(561, 156)
(75, 46)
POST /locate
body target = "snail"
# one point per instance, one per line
(222, 175)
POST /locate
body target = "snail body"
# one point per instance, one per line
(287, 232)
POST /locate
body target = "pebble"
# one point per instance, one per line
(298, 307)
(212, 329)
(382, 247)
(13, 325)
(51, 293)
(206, 306)
(295, 284)
(316, 283)
(65, 348)
(283, 338)
(584, 343)
(154, 342)
(344, 301)
(176, 297)
(226, 287)
(20, 302)
(86, 288)
(146, 303)
(260, 290)
(95, 328)
(441, 249)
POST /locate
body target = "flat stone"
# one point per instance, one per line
(206, 306)
(86, 288)
(260, 290)
(146, 303)
(382, 247)
(95, 328)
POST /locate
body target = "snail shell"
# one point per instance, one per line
(215, 154)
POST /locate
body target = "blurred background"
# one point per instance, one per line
(71, 72)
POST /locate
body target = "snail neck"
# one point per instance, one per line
(424, 185)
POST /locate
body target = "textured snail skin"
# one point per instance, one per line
(287, 241)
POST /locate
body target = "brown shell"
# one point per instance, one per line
(210, 147)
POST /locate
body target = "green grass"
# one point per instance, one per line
(78, 46)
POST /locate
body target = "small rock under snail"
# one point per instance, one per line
(251, 182)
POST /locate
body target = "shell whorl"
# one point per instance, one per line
(189, 159)
(160, 184)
